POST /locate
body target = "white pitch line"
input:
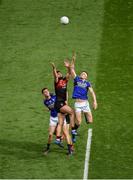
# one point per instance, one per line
(87, 156)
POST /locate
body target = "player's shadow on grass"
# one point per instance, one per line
(20, 149)
(25, 150)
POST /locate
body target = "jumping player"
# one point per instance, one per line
(80, 94)
(61, 106)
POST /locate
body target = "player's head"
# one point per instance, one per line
(45, 92)
(84, 75)
(59, 74)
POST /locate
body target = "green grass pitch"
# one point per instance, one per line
(31, 36)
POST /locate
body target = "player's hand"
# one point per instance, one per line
(67, 63)
(95, 105)
(73, 59)
(53, 65)
(74, 55)
(72, 65)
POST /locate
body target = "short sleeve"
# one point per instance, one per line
(88, 84)
(76, 78)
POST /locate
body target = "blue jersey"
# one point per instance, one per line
(80, 90)
(49, 103)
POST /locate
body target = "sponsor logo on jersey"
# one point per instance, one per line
(82, 84)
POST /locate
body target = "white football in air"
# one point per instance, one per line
(64, 20)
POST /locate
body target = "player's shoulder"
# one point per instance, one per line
(88, 83)
(77, 78)
(53, 96)
(45, 101)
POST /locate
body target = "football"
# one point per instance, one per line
(64, 20)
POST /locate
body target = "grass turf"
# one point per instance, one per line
(31, 36)
(112, 147)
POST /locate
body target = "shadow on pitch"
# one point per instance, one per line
(26, 150)
(20, 149)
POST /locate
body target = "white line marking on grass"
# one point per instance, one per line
(87, 156)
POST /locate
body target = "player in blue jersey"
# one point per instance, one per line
(49, 102)
(80, 95)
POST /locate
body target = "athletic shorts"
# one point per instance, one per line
(58, 105)
(53, 121)
(82, 107)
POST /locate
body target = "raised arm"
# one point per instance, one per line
(66, 98)
(54, 72)
(67, 65)
(94, 97)
(72, 65)
(73, 60)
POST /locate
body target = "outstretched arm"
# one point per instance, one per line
(73, 60)
(66, 98)
(67, 65)
(54, 72)
(94, 97)
(72, 65)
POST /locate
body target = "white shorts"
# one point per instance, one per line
(82, 107)
(53, 121)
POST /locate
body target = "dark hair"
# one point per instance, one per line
(44, 89)
(57, 71)
(85, 72)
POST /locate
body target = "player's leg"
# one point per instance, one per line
(51, 131)
(78, 112)
(66, 134)
(78, 117)
(68, 110)
(87, 113)
(68, 126)
(59, 127)
(88, 117)
(68, 138)
(52, 126)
